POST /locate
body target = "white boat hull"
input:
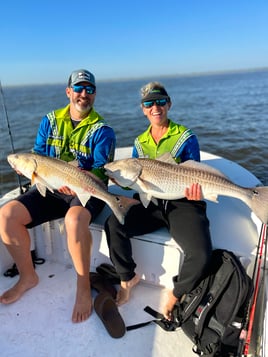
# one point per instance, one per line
(40, 322)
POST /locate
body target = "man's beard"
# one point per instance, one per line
(82, 108)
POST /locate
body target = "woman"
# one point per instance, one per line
(185, 218)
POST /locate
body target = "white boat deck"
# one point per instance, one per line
(39, 324)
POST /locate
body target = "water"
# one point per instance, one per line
(228, 112)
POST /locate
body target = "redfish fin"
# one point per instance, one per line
(41, 185)
(42, 189)
(196, 165)
(83, 198)
(211, 197)
(145, 199)
(166, 157)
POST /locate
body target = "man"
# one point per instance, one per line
(75, 132)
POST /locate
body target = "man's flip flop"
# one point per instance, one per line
(107, 311)
(100, 284)
(109, 272)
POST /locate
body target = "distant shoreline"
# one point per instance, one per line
(175, 75)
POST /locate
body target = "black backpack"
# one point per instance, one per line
(213, 314)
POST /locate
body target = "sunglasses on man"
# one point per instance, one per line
(79, 89)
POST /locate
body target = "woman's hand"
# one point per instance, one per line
(169, 306)
(194, 192)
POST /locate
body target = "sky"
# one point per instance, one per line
(42, 42)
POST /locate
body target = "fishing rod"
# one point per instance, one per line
(9, 131)
(262, 246)
(260, 329)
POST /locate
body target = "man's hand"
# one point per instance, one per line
(194, 192)
(66, 190)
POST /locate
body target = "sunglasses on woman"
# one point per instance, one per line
(159, 102)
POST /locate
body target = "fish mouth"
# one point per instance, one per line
(10, 162)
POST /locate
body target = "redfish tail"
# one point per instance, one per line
(259, 203)
(121, 206)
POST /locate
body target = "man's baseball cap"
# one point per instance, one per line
(81, 75)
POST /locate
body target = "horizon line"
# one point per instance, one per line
(122, 79)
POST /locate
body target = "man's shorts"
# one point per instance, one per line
(54, 205)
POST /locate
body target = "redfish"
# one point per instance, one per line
(164, 179)
(51, 173)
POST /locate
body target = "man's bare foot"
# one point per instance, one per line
(123, 294)
(82, 307)
(19, 289)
